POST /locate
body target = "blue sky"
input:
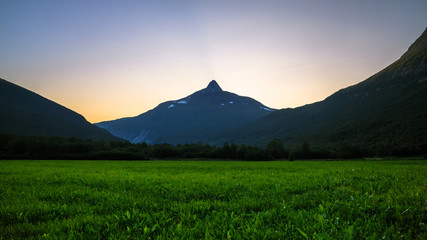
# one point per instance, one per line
(111, 59)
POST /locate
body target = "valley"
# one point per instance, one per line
(213, 120)
(383, 115)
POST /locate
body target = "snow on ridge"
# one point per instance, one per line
(267, 109)
(171, 106)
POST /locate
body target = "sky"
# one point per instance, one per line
(113, 59)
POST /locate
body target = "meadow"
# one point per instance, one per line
(213, 199)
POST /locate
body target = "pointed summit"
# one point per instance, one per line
(195, 118)
(213, 85)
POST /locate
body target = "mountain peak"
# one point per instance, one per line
(213, 85)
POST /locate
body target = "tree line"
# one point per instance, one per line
(32, 147)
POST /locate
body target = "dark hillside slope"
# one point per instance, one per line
(386, 112)
(23, 112)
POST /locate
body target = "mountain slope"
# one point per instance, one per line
(23, 112)
(387, 110)
(197, 117)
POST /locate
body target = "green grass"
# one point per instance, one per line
(213, 200)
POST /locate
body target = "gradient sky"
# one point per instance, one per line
(113, 59)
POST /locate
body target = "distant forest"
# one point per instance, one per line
(32, 147)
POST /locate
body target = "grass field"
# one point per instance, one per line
(213, 200)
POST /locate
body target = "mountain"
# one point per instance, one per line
(23, 112)
(195, 118)
(386, 112)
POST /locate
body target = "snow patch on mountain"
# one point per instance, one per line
(142, 137)
(267, 109)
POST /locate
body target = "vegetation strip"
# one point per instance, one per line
(42, 148)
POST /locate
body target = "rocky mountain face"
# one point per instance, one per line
(387, 110)
(23, 112)
(198, 117)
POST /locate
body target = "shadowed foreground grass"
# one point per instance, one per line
(213, 199)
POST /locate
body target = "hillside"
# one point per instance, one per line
(195, 118)
(385, 113)
(23, 112)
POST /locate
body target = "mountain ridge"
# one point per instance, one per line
(196, 117)
(23, 112)
(386, 109)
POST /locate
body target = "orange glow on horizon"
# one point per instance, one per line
(120, 60)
